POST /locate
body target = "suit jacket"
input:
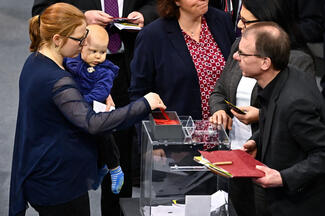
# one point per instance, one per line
(294, 144)
(146, 7)
(309, 17)
(226, 87)
(163, 64)
(322, 83)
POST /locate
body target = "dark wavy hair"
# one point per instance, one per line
(277, 11)
(167, 9)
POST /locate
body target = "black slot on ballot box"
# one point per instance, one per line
(165, 129)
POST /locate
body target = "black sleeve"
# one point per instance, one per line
(309, 16)
(149, 11)
(71, 103)
(306, 127)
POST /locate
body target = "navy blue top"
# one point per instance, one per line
(95, 82)
(163, 64)
(54, 159)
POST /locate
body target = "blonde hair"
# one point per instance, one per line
(97, 32)
(59, 18)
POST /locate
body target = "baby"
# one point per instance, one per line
(95, 75)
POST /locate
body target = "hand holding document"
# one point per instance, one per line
(101, 107)
(124, 19)
(127, 26)
(126, 23)
(231, 164)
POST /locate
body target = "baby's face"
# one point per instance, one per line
(94, 52)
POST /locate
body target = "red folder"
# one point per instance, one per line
(243, 164)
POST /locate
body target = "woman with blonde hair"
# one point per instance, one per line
(55, 156)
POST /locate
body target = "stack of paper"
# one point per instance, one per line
(127, 26)
(237, 163)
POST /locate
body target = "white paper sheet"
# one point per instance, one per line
(101, 107)
(127, 26)
(174, 210)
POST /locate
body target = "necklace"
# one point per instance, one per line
(192, 32)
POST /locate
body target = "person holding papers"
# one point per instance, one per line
(102, 12)
(242, 92)
(55, 154)
(291, 138)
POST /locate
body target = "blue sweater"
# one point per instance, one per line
(96, 84)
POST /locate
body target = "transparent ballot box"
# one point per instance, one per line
(171, 180)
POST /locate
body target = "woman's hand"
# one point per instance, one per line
(154, 101)
(250, 147)
(221, 117)
(109, 103)
(250, 117)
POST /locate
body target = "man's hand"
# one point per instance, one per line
(272, 178)
(250, 148)
(221, 117)
(98, 17)
(251, 116)
(139, 20)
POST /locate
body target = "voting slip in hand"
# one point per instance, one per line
(127, 26)
(231, 164)
(124, 19)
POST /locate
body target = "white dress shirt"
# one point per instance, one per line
(241, 132)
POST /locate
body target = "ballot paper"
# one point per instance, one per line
(127, 26)
(218, 200)
(101, 107)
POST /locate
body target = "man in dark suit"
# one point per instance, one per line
(309, 18)
(145, 10)
(291, 138)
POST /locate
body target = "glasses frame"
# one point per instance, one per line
(240, 53)
(82, 39)
(245, 22)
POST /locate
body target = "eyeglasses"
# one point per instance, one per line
(245, 22)
(240, 53)
(82, 39)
